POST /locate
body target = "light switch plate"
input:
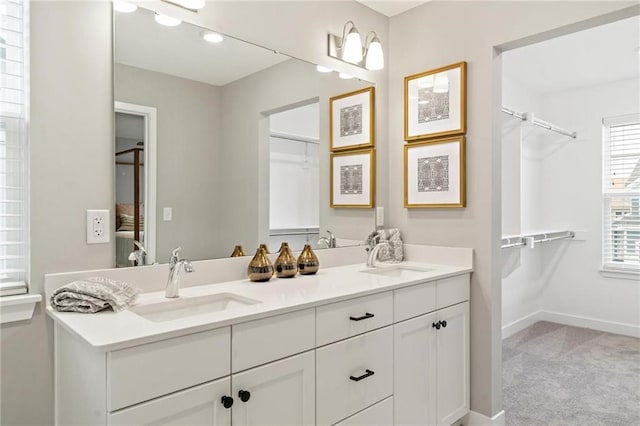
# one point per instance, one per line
(98, 227)
(167, 214)
(379, 216)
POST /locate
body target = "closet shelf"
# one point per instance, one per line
(530, 240)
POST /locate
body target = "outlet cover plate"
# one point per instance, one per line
(98, 227)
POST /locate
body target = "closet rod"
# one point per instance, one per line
(540, 123)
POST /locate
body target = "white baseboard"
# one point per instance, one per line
(476, 419)
(573, 320)
(519, 325)
(592, 323)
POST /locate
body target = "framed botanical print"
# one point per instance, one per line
(434, 173)
(351, 120)
(435, 103)
(353, 179)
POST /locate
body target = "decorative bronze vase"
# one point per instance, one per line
(260, 268)
(285, 265)
(237, 252)
(266, 249)
(308, 262)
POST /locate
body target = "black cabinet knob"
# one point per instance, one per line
(444, 323)
(436, 325)
(227, 401)
(244, 395)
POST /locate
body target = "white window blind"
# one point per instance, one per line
(14, 161)
(621, 239)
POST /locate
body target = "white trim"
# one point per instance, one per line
(519, 325)
(476, 419)
(18, 308)
(630, 274)
(592, 323)
(150, 169)
(572, 320)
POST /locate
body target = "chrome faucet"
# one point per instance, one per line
(175, 266)
(138, 257)
(329, 242)
(373, 254)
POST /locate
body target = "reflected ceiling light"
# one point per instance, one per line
(124, 7)
(350, 49)
(166, 20)
(345, 76)
(320, 68)
(425, 82)
(211, 37)
(441, 83)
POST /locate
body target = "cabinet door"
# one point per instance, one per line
(415, 371)
(197, 406)
(453, 363)
(280, 393)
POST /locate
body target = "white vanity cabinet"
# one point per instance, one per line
(392, 357)
(431, 375)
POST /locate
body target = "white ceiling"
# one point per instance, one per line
(181, 51)
(594, 56)
(391, 8)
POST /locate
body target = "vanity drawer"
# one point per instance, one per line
(261, 341)
(380, 414)
(413, 301)
(353, 374)
(340, 320)
(450, 291)
(147, 371)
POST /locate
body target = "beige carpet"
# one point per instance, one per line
(560, 375)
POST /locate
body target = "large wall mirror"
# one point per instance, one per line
(220, 144)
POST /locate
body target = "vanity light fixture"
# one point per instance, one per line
(320, 68)
(349, 48)
(211, 37)
(166, 20)
(345, 76)
(124, 7)
(191, 5)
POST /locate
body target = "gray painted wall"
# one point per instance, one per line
(72, 146)
(189, 134)
(440, 33)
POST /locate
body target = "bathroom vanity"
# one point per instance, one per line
(348, 346)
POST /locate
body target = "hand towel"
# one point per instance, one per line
(94, 294)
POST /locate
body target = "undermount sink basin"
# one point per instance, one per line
(396, 271)
(183, 307)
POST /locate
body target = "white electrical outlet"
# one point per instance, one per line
(98, 231)
(379, 216)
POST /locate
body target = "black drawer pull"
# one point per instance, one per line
(436, 325)
(364, 376)
(444, 323)
(244, 395)
(365, 316)
(227, 401)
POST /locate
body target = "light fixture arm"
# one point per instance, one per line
(367, 42)
(344, 33)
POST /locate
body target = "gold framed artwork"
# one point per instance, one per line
(353, 179)
(434, 173)
(435, 103)
(351, 120)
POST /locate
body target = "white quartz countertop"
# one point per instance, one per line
(109, 331)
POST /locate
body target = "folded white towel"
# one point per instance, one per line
(94, 294)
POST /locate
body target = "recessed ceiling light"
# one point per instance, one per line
(168, 21)
(320, 68)
(345, 76)
(124, 7)
(211, 37)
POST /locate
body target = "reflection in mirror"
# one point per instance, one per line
(242, 143)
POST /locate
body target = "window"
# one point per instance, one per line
(621, 240)
(14, 96)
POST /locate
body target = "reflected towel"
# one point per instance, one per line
(391, 252)
(94, 294)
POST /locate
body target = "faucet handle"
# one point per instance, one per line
(175, 256)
